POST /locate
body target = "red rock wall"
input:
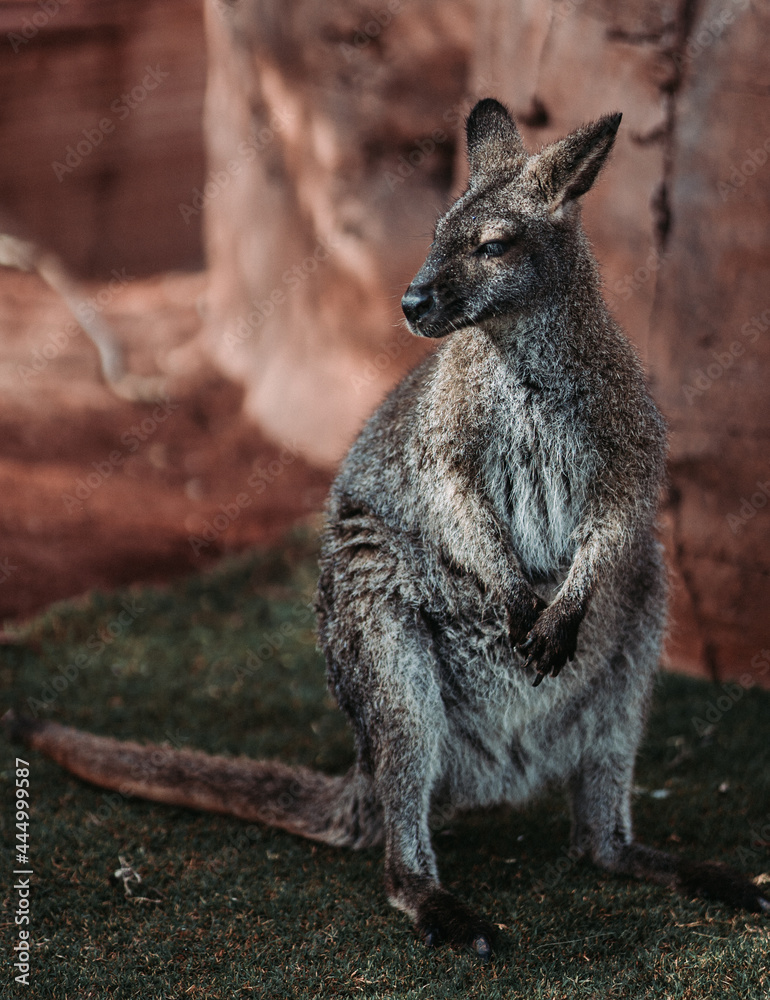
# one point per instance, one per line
(709, 339)
(100, 131)
(332, 132)
(680, 225)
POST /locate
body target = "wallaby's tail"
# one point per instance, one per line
(335, 810)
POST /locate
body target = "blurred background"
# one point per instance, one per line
(242, 189)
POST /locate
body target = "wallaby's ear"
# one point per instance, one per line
(494, 143)
(566, 169)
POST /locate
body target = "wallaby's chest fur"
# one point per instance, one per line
(526, 445)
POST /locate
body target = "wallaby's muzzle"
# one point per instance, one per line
(416, 303)
(425, 311)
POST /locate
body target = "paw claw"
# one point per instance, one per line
(482, 947)
(432, 937)
(538, 680)
(445, 919)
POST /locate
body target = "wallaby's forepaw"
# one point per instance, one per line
(442, 917)
(551, 642)
(522, 617)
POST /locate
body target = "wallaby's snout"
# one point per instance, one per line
(436, 303)
(434, 307)
(418, 300)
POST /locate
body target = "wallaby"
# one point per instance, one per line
(492, 526)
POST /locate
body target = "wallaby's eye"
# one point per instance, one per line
(494, 248)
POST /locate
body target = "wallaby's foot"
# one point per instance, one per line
(718, 881)
(703, 879)
(443, 918)
(551, 642)
(597, 790)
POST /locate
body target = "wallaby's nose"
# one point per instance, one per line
(417, 302)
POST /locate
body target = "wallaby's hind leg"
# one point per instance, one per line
(601, 817)
(600, 789)
(384, 672)
(407, 765)
(411, 876)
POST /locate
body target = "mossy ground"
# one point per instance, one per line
(236, 910)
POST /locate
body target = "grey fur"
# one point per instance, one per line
(492, 526)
